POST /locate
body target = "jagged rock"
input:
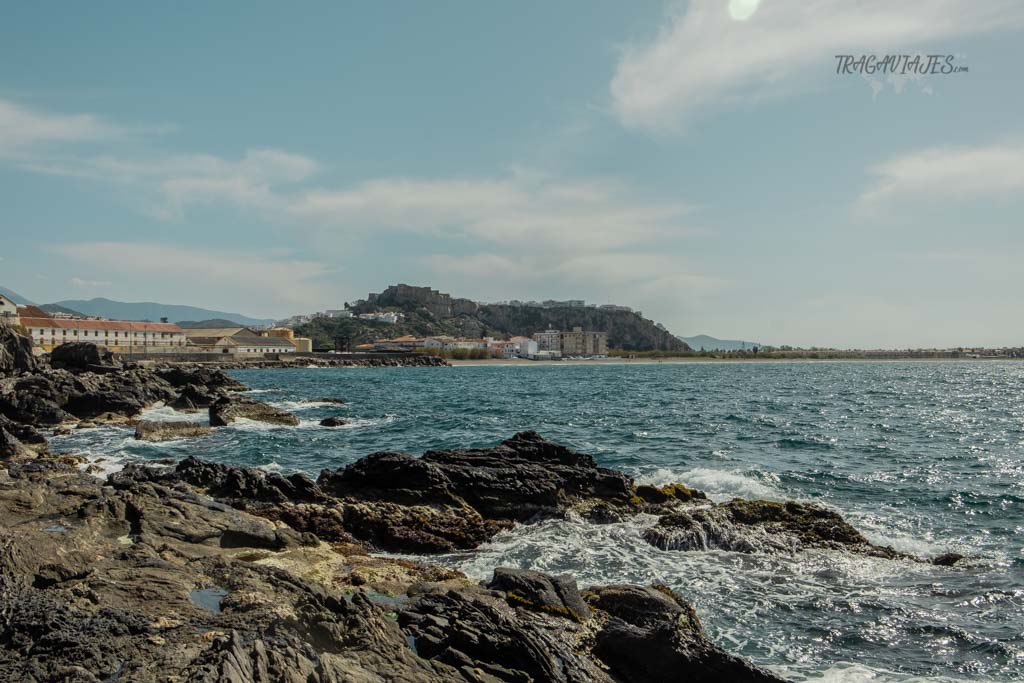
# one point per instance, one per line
(524, 477)
(329, 399)
(26, 434)
(150, 430)
(557, 595)
(480, 635)
(12, 449)
(15, 352)
(760, 525)
(246, 483)
(194, 396)
(654, 635)
(333, 421)
(663, 494)
(227, 409)
(182, 375)
(82, 356)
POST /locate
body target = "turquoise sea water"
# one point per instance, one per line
(925, 456)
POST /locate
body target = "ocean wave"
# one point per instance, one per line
(720, 485)
(164, 413)
(848, 672)
(294, 406)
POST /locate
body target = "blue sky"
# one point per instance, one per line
(701, 161)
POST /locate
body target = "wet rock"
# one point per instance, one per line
(948, 559)
(150, 430)
(664, 494)
(333, 421)
(329, 399)
(557, 595)
(227, 409)
(760, 526)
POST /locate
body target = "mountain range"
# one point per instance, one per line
(707, 343)
(142, 310)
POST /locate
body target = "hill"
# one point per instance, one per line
(55, 308)
(148, 310)
(212, 324)
(429, 312)
(703, 341)
(15, 297)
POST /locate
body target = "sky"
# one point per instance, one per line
(701, 161)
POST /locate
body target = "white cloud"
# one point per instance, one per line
(87, 284)
(943, 173)
(703, 58)
(278, 281)
(520, 210)
(21, 127)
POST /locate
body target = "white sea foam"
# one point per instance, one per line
(845, 672)
(298, 406)
(718, 484)
(163, 413)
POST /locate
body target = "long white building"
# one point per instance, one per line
(117, 335)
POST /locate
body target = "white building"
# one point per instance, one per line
(235, 340)
(389, 317)
(338, 313)
(117, 335)
(466, 344)
(547, 340)
(8, 309)
(525, 347)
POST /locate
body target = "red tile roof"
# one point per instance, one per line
(71, 324)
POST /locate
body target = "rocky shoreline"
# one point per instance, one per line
(206, 572)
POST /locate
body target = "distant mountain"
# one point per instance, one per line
(213, 324)
(54, 308)
(15, 297)
(703, 341)
(148, 310)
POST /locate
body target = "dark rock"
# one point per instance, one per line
(333, 421)
(336, 401)
(664, 494)
(654, 635)
(13, 449)
(479, 634)
(26, 434)
(948, 559)
(556, 595)
(15, 352)
(82, 356)
(227, 409)
(194, 396)
(149, 430)
(247, 483)
(758, 526)
(213, 379)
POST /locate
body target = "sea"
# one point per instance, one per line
(927, 457)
